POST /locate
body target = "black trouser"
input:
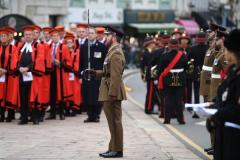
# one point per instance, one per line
(196, 86)
(151, 97)
(53, 90)
(24, 100)
(94, 111)
(174, 103)
(2, 113)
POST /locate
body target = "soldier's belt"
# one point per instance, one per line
(232, 125)
(216, 76)
(207, 68)
(176, 70)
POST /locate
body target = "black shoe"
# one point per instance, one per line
(88, 120)
(22, 122)
(208, 149)
(96, 120)
(8, 120)
(67, 114)
(51, 117)
(41, 119)
(62, 117)
(181, 122)
(73, 114)
(148, 112)
(166, 122)
(211, 152)
(101, 154)
(113, 154)
(35, 122)
(161, 116)
(195, 116)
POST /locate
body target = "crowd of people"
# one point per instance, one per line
(66, 71)
(174, 65)
(46, 68)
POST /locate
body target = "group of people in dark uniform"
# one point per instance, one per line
(175, 65)
(45, 69)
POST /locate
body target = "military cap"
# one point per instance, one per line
(221, 34)
(176, 31)
(112, 30)
(165, 37)
(173, 43)
(184, 36)
(231, 41)
(201, 36)
(148, 40)
(215, 27)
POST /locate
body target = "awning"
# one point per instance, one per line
(154, 27)
(190, 26)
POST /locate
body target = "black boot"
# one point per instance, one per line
(61, 111)
(68, 113)
(42, 114)
(2, 114)
(24, 120)
(73, 113)
(10, 115)
(35, 116)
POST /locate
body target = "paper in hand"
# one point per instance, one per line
(27, 77)
(3, 78)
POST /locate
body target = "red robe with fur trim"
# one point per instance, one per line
(64, 89)
(75, 82)
(10, 64)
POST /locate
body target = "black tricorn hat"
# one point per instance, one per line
(117, 31)
(231, 42)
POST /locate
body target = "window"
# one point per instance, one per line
(77, 3)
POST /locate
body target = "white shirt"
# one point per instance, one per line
(13, 42)
(103, 40)
(28, 47)
(81, 41)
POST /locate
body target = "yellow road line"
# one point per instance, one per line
(171, 128)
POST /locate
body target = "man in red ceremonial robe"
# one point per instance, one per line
(31, 68)
(74, 78)
(60, 84)
(8, 63)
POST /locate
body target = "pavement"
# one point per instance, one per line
(144, 139)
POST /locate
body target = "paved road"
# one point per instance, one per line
(144, 139)
(194, 130)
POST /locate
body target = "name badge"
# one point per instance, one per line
(71, 76)
(97, 54)
(28, 77)
(3, 78)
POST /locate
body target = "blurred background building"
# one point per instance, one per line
(134, 16)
